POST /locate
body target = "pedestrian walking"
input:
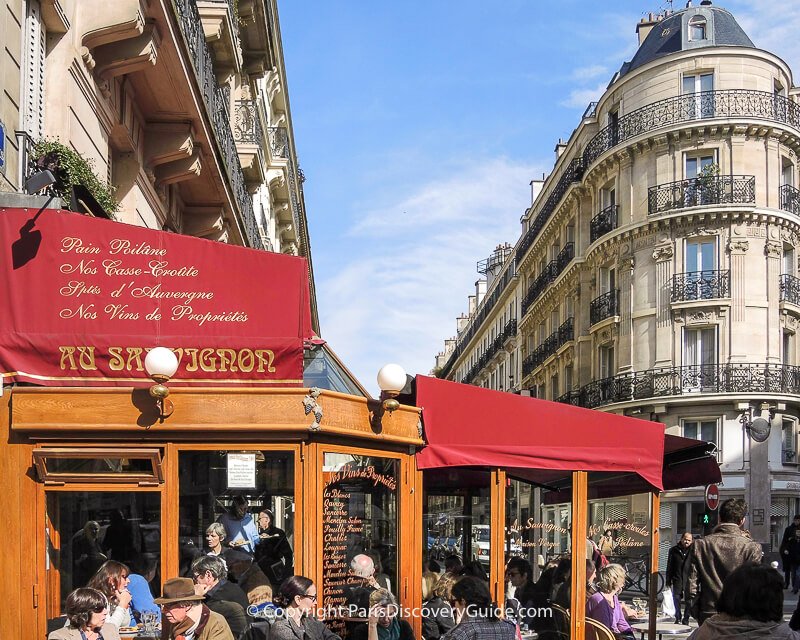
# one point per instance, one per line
(717, 555)
(788, 567)
(679, 562)
(793, 558)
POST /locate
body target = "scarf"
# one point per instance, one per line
(187, 624)
(392, 632)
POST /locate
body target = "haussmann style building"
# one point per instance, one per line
(656, 272)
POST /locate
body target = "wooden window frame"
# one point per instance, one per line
(156, 477)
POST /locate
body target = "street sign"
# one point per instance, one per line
(712, 497)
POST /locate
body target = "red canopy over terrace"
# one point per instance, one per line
(472, 426)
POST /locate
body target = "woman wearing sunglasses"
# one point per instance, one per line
(298, 598)
(86, 611)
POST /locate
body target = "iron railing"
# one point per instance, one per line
(247, 123)
(604, 306)
(700, 285)
(497, 345)
(662, 382)
(477, 320)
(564, 257)
(572, 173)
(549, 274)
(278, 142)
(217, 110)
(702, 105)
(790, 199)
(566, 332)
(703, 190)
(549, 346)
(604, 222)
(790, 289)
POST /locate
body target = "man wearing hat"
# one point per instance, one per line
(185, 617)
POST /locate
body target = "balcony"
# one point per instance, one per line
(604, 222)
(278, 142)
(705, 190)
(564, 257)
(549, 274)
(739, 378)
(495, 347)
(700, 285)
(729, 103)
(549, 346)
(604, 306)
(216, 102)
(566, 332)
(790, 199)
(790, 289)
(248, 135)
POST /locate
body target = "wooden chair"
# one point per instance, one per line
(561, 618)
(598, 631)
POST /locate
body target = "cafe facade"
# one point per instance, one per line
(260, 408)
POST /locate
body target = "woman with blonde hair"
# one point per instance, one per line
(437, 614)
(604, 606)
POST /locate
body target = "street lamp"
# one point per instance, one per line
(391, 380)
(161, 364)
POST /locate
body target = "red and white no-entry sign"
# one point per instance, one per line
(712, 496)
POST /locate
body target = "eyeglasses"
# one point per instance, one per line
(310, 596)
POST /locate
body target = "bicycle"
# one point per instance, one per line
(637, 575)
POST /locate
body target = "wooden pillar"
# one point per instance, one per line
(580, 522)
(410, 541)
(655, 509)
(497, 560)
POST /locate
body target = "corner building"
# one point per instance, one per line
(656, 271)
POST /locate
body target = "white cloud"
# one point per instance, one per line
(589, 72)
(580, 98)
(773, 26)
(396, 299)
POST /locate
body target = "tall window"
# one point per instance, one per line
(568, 378)
(613, 125)
(789, 442)
(608, 279)
(606, 361)
(787, 347)
(703, 104)
(787, 172)
(699, 359)
(554, 319)
(701, 429)
(788, 261)
(696, 164)
(697, 28)
(701, 266)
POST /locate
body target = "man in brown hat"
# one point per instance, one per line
(185, 617)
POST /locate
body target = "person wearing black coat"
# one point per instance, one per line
(273, 552)
(793, 556)
(788, 567)
(679, 563)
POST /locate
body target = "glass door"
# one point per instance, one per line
(701, 265)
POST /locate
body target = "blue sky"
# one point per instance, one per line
(419, 125)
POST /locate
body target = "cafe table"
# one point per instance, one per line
(662, 629)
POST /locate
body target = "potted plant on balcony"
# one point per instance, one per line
(708, 184)
(76, 183)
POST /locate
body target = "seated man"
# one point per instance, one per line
(221, 596)
(186, 616)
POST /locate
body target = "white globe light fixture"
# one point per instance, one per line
(391, 380)
(161, 364)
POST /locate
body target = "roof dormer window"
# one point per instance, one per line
(697, 28)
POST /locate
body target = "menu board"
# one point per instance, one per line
(358, 516)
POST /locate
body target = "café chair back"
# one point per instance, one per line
(598, 631)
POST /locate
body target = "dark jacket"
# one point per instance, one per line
(713, 560)
(233, 614)
(406, 632)
(313, 629)
(437, 618)
(792, 548)
(274, 555)
(679, 562)
(225, 590)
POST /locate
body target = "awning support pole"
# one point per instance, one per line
(655, 511)
(580, 527)
(497, 557)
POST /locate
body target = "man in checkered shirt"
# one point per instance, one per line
(476, 613)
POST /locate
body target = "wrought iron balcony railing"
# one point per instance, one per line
(790, 199)
(700, 285)
(564, 257)
(566, 331)
(704, 190)
(728, 103)
(215, 100)
(497, 345)
(480, 316)
(604, 306)
(690, 379)
(603, 222)
(572, 173)
(790, 289)
(278, 142)
(247, 123)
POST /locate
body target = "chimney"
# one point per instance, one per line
(536, 188)
(645, 26)
(560, 146)
(480, 292)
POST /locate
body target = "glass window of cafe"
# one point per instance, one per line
(250, 495)
(359, 529)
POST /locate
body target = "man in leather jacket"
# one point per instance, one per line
(717, 555)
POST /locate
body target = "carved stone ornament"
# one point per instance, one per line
(704, 231)
(773, 249)
(627, 264)
(310, 405)
(664, 253)
(790, 321)
(700, 317)
(738, 245)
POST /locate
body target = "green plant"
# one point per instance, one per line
(70, 169)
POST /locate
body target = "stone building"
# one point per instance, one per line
(656, 271)
(181, 106)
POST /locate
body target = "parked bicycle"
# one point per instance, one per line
(637, 574)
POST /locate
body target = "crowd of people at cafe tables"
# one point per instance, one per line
(718, 580)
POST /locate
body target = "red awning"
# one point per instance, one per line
(472, 426)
